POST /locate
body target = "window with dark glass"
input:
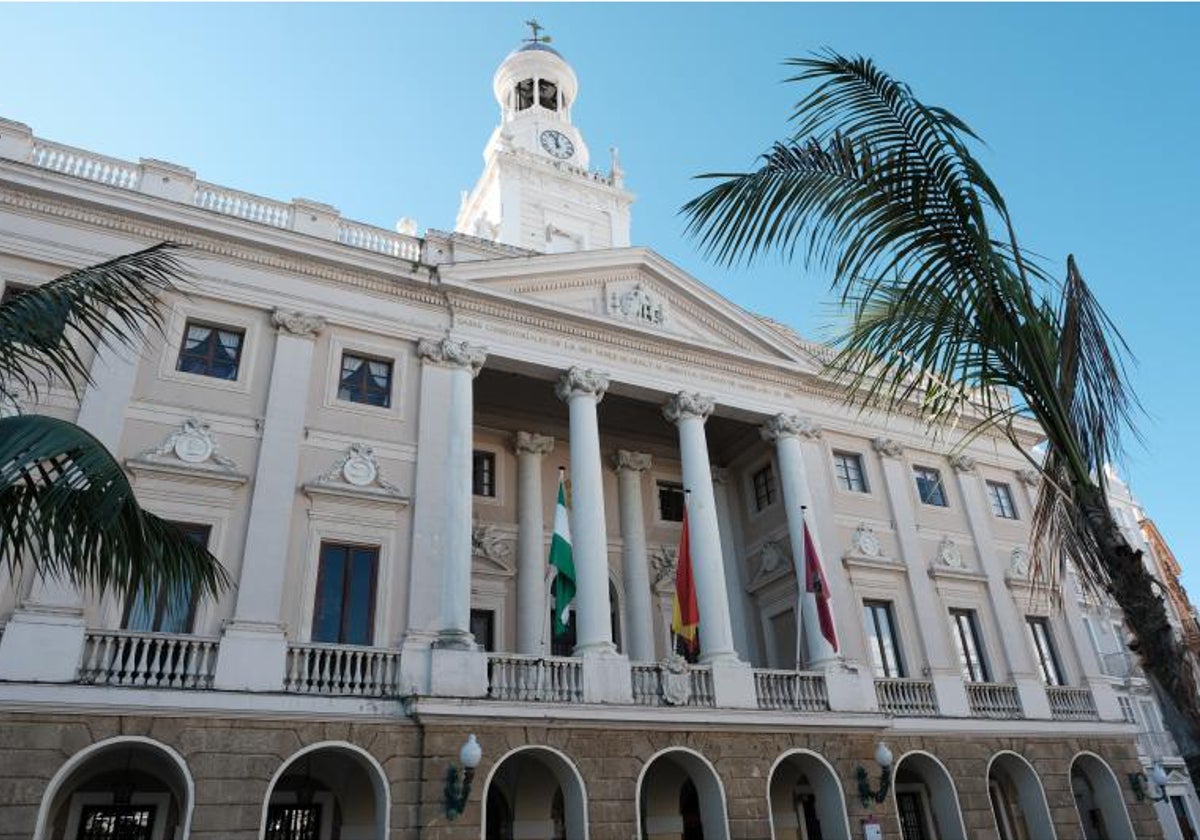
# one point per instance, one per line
(848, 467)
(524, 94)
(365, 380)
(548, 95)
(764, 487)
(210, 351)
(116, 822)
(483, 473)
(1002, 500)
(483, 628)
(929, 486)
(1043, 646)
(164, 610)
(670, 501)
(344, 612)
(294, 822)
(970, 645)
(884, 643)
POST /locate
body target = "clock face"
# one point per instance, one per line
(557, 144)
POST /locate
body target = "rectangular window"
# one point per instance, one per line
(483, 473)
(1043, 646)
(364, 380)
(167, 611)
(483, 628)
(970, 645)
(848, 467)
(670, 501)
(210, 351)
(1002, 500)
(344, 612)
(884, 643)
(929, 486)
(764, 487)
(116, 822)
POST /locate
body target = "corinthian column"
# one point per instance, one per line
(635, 567)
(688, 412)
(582, 391)
(531, 552)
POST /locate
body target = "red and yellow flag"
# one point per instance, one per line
(685, 613)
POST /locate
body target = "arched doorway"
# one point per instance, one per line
(326, 791)
(806, 799)
(1099, 800)
(1017, 799)
(539, 791)
(680, 797)
(130, 788)
(926, 801)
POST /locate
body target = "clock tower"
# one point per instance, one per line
(536, 190)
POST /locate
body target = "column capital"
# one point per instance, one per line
(720, 475)
(1030, 478)
(633, 461)
(888, 447)
(581, 381)
(299, 324)
(530, 443)
(789, 425)
(962, 463)
(688, 405)
(451, 353)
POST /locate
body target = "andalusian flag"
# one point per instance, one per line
(685, 613)
(561, 560)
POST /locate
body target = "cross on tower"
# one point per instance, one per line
(536, 28)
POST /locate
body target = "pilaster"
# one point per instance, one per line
(531, 550)
(629, 467)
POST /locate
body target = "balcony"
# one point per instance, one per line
(791, 691)
(657, 685)
(1155, 746)
(906, 698)
(1071, 703)
(147, 660)
(1122, 665)
(999, 701)
(544, 679)
(342, 670)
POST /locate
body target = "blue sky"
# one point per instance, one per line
(1090, 112)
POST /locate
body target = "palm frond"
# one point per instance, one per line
(68, 510)
(112, 302)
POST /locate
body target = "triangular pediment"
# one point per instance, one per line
(635, 289)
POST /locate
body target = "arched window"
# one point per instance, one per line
(524, 94)
(548, 95)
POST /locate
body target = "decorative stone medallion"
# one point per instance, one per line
(676, 680)
(1018, 562)
(191, 443)
(864, 541)
(949, 554)
(772, 557)
(360, 468)
(637, 304)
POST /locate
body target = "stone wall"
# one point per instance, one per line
(232, 762)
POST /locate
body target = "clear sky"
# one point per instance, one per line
(1091, 114)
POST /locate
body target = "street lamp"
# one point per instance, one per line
(1158, 776)
(883, 757)
(458, 791)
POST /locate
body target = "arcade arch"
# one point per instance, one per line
(806, 799)
(680, 797)
(326, 790)
(534, 793)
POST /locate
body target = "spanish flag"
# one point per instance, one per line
(685, 614)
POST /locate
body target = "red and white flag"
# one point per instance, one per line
(815, 585)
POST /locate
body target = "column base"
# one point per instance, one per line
(607, 679)
(604, 649)
(850, 688)
(414, 662)
(251, 657)
(1034, 703)
(733, 684)
(42, 646)
(951, 695)
(457, 672)
(455, 639)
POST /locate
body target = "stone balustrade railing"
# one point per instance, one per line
(1122, 664)
(344, 670)
(906, 698)
(649, 688)
(994, 700)
(1071, 703)
(791, 691)
(179, 184)
(147, 660)
(547, 679)
(1156, 745)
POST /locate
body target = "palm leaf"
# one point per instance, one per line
(68, 510)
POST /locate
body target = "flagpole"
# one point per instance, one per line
(801, 589)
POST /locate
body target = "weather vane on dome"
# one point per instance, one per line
(537, 27)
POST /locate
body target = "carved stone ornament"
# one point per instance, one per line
(635, 461)
(864, 542)
(451, 353)
(887, 447)
(687, 406)
(358, 468)
(298, 324)
(662, 566)
(962, 463)
(1018, 562)
(676, 680)
(191, 443)
(487, 542)
(638, 305)
(773, 556)
(789, 425)
(532, 444)
(949, 554)
(720, 475)
(1029, 478)
(581, 382)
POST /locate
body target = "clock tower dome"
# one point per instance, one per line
(536, 190)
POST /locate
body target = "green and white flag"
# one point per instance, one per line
(562, 561)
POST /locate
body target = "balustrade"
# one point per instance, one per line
(648, 686)
(547, 679)
(147, 660)
(87, 165)
(1121, 664)
(252, 208)
(994, 700)
(791, 690)
(379, 241)
(906, 698)
(1071, 703)
(1156, 745)
(342, 670)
